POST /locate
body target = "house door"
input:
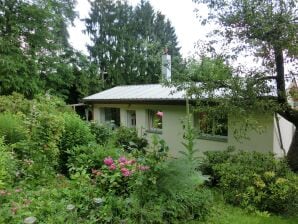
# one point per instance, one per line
(131, 118)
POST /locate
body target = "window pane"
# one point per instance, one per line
(210, 125)
(112, 115)
(155, 119)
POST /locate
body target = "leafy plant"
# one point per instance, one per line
(7, 166)
(88, 157)
(129, 140)
(189, 140)
(116, 176)
(254, 180)
(12, 128)
(76, 133)
(102, 133)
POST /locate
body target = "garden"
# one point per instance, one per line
(57, 168)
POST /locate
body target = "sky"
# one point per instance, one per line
(180, 12)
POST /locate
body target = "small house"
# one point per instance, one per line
(160, 110)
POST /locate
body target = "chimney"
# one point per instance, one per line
(166, 66)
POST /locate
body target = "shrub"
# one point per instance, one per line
(12, 128)
(76, 133)
(39, 154)
(102, 133)
(129, 140)
(188, 205)
(87, 157)
(61, 201)
(211, 159)
(173, 186)
(254, 180)
(7, 166)
(117, 176)
(14, 103)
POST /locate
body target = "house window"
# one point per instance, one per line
(155, 121)
(211, 127)
(131, 118)
(112, 115)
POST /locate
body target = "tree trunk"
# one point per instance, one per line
(280, 76)
(292, 155)
(287, 112)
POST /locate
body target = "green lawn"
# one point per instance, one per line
(226, 214)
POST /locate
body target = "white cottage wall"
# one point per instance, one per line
(172, 131)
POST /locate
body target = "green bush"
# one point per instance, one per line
(128, 139)
(87, 157)
(11, 128)
(102, 133)
(39, 154)
(174, 187)
(253, 180)
(61, 201)
(15, 103)
(76, 133)
(7, 166)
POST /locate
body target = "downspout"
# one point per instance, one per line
(279, 134)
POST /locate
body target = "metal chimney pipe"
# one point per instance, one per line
(166, 66)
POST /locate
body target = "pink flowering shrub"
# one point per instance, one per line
(118, 176)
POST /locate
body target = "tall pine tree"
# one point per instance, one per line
(127, 42)
(35, 55)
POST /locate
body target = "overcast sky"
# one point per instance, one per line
(179, 12)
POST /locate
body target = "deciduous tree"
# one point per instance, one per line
(269, 28)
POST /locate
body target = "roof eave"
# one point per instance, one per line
(136, 101)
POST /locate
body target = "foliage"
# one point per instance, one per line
(15, 103)
(212, 159)
(127, 42)
(216, 92)
(88, 157)
(189, 137)
(60, 201)
(253, 180)
(7, 166)
(184, 207)
(128, 139)
(172, 187)
(35, 54)
(32, 34)
(103, 133)
(115, 176)
(12, 128)
(76, 133)
(177, 176)
(222, 213)
(269, 30)
(39, 154)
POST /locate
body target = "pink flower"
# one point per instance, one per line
(122, 159)
(159, 113)
(17, 190)
(125, 172)
(14, 210)
(112, 167)
(3, 192)
(96, 172)
(143, 168)
(130, 162)
(27, 202)
(108, 161)
(122, 164)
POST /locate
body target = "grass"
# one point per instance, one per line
(223, 213)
